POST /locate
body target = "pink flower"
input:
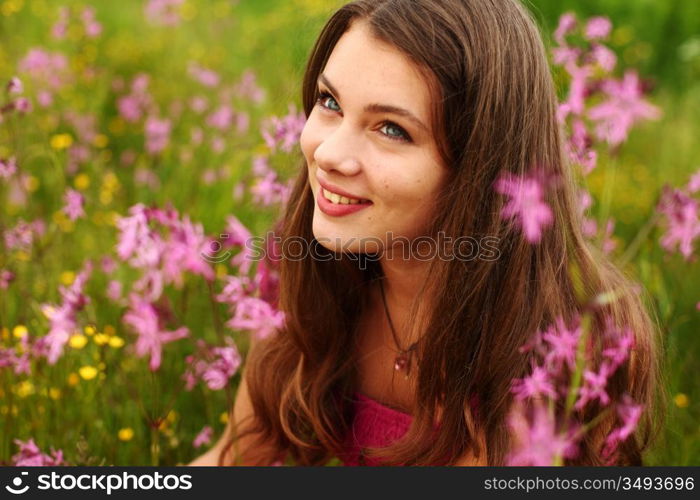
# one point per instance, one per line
(22, 105)
(214, 365)
(74, 204)
(285, 131)
(157, 134)
(694, 182)
(206, 77)
(8, 167)
(597, 28)
(14, 86)
(59, 30)
(163, 12)
(248, 88)
(579, 149)
(222, 118)
(6, 277)
(537, 442)
(563, 342)
(629, 413)
(624, 107)
(526, 204)
(538, 383)
(578, 88)
(62, 318)
(204, 437)
(19, 237)
(92, 27)
(683, 226)
(567, 23)
(114, 290)
(30, 455)
(267, 190)
(604, 57)
(594, 387)
(565, 55)
(257, 316)
(46, 67)
(235, 289)
(144, 319)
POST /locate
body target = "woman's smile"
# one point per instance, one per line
(368, 145)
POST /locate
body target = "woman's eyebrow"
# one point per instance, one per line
(378, 108)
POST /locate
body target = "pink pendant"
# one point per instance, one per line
(400, 362)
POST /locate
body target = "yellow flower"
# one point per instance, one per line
(116, 342)
(81, 181)
(681, 400)
(55, 393)
(67, 277)
(221, 270)
(223, 418)
(31, 183)
(125, 434)
(61, 141)
(109, 330)
(77, 341)
(89, 330)
(100, 141)
(101, 338)
(5, 333)
(88, 372)
(106, 197)
(73, 379)
(20, 331)
(24, 389)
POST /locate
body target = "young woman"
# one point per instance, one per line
(392, 354)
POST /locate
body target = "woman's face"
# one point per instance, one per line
(369, 137)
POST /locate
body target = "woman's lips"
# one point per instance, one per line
(337, 209)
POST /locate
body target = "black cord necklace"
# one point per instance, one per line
(403, 358)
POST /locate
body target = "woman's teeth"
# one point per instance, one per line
(339, 200)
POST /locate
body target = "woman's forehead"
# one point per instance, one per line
(364, 68)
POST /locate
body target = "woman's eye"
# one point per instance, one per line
(394, 132)
(324, 98)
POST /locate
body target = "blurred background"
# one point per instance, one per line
(170, 126)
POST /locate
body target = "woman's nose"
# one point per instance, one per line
(339, 150)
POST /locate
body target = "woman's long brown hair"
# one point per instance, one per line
(494, 111)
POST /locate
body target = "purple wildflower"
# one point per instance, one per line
(526, 204)
(204, 437)
(30, 455)
(629, 413)
(14, 86)
(567, 23)
(563, 342)
(537, 441)
(594, 386)
(74, 204)
(597, 28)
(257, 316)
(538, 383)
(623, 108)
(144, 319)
(8, 167)
(285, 130)
(157, 134)
(683, 226)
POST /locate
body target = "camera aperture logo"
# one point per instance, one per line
(17, 488)
(103, 482)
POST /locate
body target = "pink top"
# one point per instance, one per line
(374, 425)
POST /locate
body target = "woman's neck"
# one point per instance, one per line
(402, 281)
